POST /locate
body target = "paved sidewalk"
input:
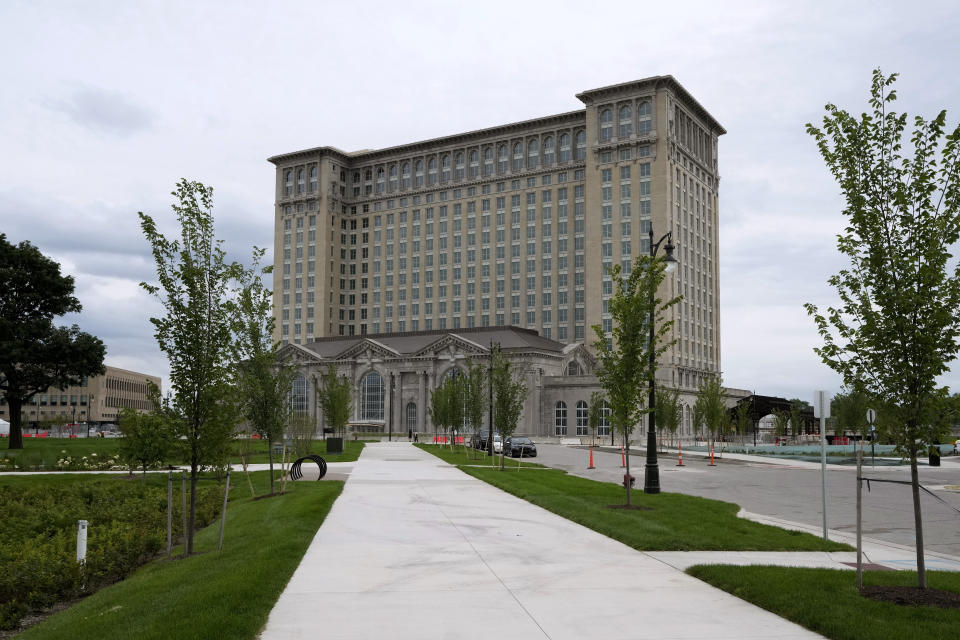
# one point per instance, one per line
(414, 548)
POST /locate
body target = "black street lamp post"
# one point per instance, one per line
(651, 472)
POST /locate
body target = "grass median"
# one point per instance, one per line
(826, 600)
(663, 522)
(212, 594)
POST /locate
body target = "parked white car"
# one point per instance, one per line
(497, 443)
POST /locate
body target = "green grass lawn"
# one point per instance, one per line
(674, 521)
(826, 600)
(470, 456)
(43, 453)
(222, 595)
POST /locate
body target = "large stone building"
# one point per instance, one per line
(95, 400)
(515, 225)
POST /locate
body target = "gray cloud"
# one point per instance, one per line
(104, 111)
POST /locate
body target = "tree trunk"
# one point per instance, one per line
(626, 478)
(918, 521)
(16, 423)
(270, 458)
(193, 508)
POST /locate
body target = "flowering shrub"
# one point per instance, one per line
(89, 463)
(38, 529)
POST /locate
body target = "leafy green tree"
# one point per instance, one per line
(147, 439)
(669, 411)
(446, 404)
(509, 393)
(194, 285)
(849, 411)
(626, 369)
(796, 420)
(475, 396)
(598, 404)
(333, 394)
(781, 422)
(35, 355)
(262, 382)
(711, 406)
(896, 328)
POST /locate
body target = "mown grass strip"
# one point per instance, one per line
(225, 595)
(671, 522)
(826, 600)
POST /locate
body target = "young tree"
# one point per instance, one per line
(508, 397)
(195, 331)
(333, 394)
(475, 396)
(626, 368)
(595, 415)
(896, 328)
(262, 383)
(849, 410)
(35, 355)
(147, 440)
(781, 422)
(796, 422)
(711, 406)
(669, 411)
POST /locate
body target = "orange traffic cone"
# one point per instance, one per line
(591, 459)
(711, 457)
(680, 455)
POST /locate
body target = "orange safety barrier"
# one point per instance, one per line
(623, 457)
(680, 454)
(711, 457)
(591, 459)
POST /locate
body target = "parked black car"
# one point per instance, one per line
(517, 447)
(480, 440)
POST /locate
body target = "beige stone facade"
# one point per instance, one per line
(511, 225)
(95, 400)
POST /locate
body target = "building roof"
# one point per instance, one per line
(405, 344)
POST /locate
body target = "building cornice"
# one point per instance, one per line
(571, 118)
(593, 96)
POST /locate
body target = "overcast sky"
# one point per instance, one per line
(105, 105)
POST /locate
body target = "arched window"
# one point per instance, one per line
(603, 429)
(356, 177)
(445, 168)
(411, 416)
(645, 123)
(606, 125)
(381, 180)
(560, 418)
(548, 156)
(583, 419)
(301, 181)
(573, 369)
(518, 156)
(313, 179)
(625, 129)
(488, 161)
(503, 159)
(418, 174)
(393, 178)
(288, 183)
(368, 175)
(452, 373)
(581, 145)
(533, 153)
(474, 164)
(458, 172)
(405, 172)
(371, 397)
(432, 171)
(564, 147)
(298, 395)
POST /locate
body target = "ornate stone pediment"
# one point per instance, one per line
(368, 351)
(295, 353)
(451, 347)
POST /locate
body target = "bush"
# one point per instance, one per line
(38, 534)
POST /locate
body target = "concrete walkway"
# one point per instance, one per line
(414, 548)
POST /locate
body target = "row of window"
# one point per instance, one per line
(582, 419)
(530, 154)
(625, 121)
(302, 186)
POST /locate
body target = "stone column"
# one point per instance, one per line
(387, 400)
(422, 402)
(428, 394)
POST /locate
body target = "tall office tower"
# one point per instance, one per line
(516, 225)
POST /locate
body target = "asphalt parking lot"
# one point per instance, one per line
(792, 492)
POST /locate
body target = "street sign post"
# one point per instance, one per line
(871, 420)
(821, 409)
